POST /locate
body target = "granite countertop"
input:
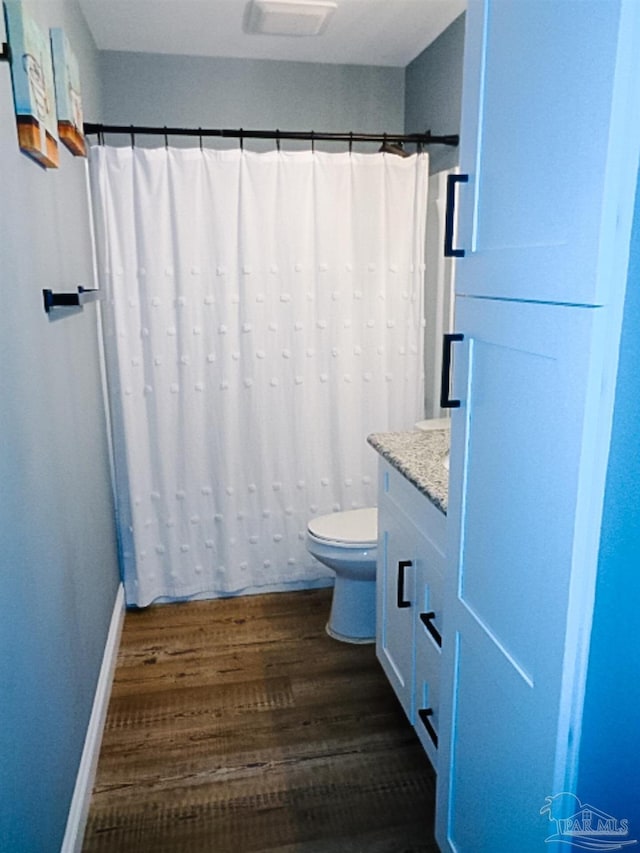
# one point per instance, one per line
(418, 456)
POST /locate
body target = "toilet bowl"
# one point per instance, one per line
(346, 542)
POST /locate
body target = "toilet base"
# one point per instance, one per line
(362, 641)
(353, 611)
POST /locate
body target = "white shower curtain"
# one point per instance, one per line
(263, 315)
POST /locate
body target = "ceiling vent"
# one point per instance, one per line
(289, 17)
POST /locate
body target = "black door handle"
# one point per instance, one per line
(449, 219)
(424, 714)
(402, 565)
(427, 621)
(448, 340)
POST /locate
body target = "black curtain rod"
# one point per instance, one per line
(310, 135)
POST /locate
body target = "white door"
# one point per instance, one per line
(549, 129)
(550, 135)
(514, 627)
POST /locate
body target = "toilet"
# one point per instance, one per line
(347, 542)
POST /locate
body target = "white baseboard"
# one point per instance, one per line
(79, 809)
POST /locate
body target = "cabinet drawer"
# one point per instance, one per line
(428, 639)
(427, 695)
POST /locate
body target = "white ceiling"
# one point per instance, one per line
(360, 32)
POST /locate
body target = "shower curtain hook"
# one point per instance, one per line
(166, 138)
(133, 137)
(313, 142)
(278, 139)
(241, 139)
(200, 137)
(351, 142)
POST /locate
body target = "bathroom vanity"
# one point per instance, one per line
(412, 504)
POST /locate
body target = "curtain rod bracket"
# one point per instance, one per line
(5, 53)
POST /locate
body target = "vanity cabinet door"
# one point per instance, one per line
(396, 602)
(547, 136)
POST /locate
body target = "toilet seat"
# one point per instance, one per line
(356, 528)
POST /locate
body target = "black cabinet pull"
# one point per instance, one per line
(452, 180)
(427, 620)
(424, 714)
(402, 565)
(448, 340)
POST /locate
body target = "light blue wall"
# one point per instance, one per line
(152, 89)
(609, 777)
(433, 92)
(58, 566)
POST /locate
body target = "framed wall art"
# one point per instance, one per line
(33, 86)
(68, 97)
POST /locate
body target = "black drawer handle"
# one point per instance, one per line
(427, 620)
(448, 340)
(452, 180)
(424, 714)
(402, 565)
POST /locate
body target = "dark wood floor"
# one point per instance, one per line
(238, 725)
